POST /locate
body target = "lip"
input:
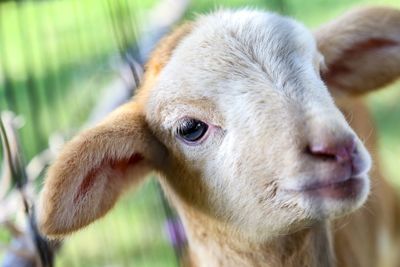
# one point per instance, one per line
(341, 190)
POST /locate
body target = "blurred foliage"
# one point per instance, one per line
(56, 55)
(311, 12)
(5, 236)
(385, 106)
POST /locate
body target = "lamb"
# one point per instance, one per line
(253, 151)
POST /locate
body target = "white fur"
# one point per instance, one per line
(256, 72)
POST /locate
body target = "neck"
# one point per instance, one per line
(211, 244)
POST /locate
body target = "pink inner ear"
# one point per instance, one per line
(340, 67)
(117, 165)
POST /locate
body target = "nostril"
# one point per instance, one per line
(337, 151)
(321, 152)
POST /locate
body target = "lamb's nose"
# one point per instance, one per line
(339, 151)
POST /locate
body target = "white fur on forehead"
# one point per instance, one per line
(263, 37)
(232, 45)
(247, 23)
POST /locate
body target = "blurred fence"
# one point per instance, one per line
(55, 55)
(57, 58)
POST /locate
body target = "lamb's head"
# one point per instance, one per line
(253, 135)
(235, 117)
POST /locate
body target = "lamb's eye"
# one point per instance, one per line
(192, 130)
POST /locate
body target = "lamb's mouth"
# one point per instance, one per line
(347, 189)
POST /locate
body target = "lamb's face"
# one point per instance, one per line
(253, 135)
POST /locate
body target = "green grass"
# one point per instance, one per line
(70, 64)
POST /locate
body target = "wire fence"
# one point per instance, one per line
(54, 55)
(55, 58)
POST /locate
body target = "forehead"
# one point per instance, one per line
(231, 53)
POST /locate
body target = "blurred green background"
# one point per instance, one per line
(55, 57)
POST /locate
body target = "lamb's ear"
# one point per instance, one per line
(361, 50)
(94, 168)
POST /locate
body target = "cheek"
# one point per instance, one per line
(189, 183)
(252, 175)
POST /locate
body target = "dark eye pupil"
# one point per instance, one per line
(192, 130)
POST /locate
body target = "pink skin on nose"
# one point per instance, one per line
(348, 164)
(339, 152)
